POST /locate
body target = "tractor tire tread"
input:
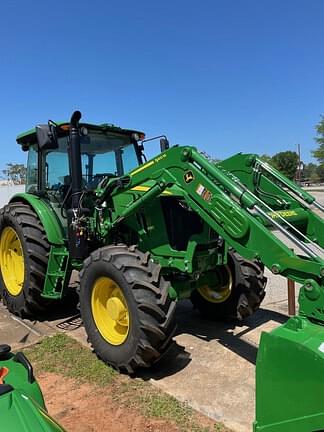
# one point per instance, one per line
(36, 250)
(150, 292)
(246, 296)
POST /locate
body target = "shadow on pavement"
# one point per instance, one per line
(173, 361)
(191, 322)
(62, 310)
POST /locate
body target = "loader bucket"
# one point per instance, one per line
(290, 378)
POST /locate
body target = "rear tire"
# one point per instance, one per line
(246, 292)
(22, 236)
(144, 328)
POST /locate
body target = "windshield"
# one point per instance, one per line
(102, 154)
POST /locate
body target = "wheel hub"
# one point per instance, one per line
(221, 291)
(110, 311)
(116, 309)
(12, 261)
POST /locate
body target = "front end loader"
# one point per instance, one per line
(146, 234)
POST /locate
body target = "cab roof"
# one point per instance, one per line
(29, 137)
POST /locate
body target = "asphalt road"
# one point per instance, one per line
(319, 196)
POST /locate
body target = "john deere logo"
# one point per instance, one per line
(188, 177)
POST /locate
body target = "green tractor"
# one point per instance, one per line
(22, 404)
(145, 234)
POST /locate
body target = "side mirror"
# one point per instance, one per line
(164, 144)
(47, 137)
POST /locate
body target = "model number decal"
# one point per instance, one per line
(283, 213)
(159, 158)
(148, 164)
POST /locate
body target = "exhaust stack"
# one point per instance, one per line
(75, 159)
(77, 229)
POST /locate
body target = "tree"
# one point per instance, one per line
(310, 172)
(314, 177)
(15, 173)
(286, 162)
(320, 172)
(266, 158)
(319, 153)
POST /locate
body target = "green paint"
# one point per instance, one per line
(242, 231)
(57, 276)
(54, 230)
(289, 378)
(23, 408)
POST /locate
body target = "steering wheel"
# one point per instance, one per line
(99, 178)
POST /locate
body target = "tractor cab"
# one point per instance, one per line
(106, 150)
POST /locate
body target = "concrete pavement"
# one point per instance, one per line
(20, 333)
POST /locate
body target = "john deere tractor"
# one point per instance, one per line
(145, 234)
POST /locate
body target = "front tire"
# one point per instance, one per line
(125, 307)
(24, 253)
(242, 290)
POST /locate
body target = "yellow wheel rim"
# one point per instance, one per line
(110, 311)
(12, 261)
(221, 292)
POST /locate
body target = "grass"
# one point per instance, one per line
(63, 355)
(153, 403)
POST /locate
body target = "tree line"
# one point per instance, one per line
(287, 162)
(319, 152)
(15, 173)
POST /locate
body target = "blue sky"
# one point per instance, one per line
(223, 75)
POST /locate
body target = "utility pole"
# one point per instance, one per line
(299, 165)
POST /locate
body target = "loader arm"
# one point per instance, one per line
(239, 216)
(247, 203)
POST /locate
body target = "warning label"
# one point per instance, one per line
(204, 192)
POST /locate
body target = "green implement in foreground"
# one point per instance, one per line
(289, 378)
(22, 405)
(146, 234)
